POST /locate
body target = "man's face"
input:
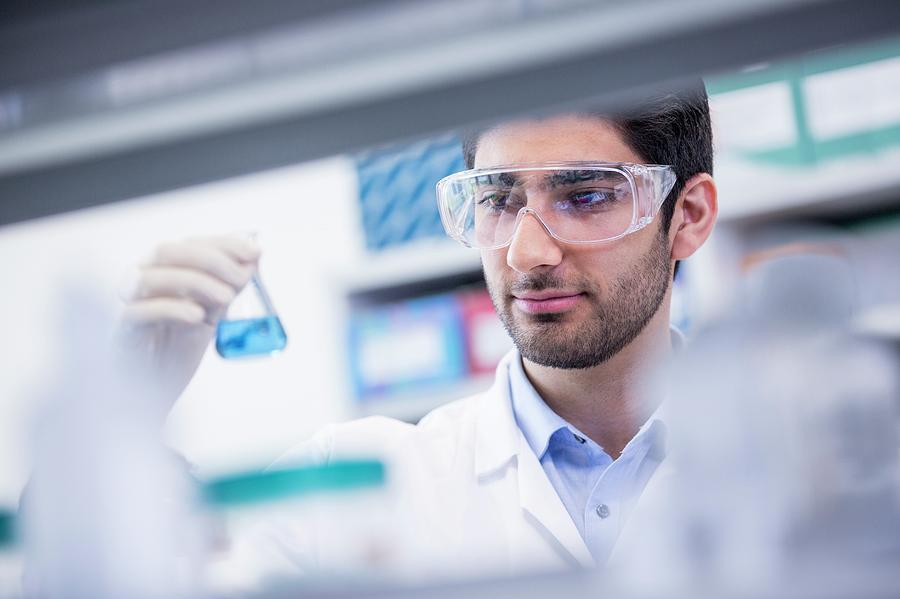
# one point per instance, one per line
(565, 305)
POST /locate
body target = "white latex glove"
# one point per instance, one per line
(180, 295)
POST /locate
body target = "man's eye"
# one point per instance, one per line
(590, 198)
(494, 200)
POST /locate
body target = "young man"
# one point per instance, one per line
(579, 242)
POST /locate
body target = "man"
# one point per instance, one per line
(579, 245)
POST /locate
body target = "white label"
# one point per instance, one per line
(754, 118)
(853, 100)
(410, 352)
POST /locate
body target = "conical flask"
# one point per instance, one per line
(251, 327)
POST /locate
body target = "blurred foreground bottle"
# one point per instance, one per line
(106, 512)
(783, 446)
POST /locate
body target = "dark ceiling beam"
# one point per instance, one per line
(601, 78)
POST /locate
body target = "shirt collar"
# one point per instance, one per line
(534, 417)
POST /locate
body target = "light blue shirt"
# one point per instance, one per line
(597, 491)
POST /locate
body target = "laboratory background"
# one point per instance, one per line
(321, 129)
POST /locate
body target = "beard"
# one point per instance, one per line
(614, 322)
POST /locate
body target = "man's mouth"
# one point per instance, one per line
(547, 301)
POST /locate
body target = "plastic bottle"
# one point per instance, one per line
(783, 447)
(107, 509)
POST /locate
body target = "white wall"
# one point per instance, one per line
(235, 413)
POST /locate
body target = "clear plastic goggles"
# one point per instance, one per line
(576, 202)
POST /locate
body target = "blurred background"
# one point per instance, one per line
(323, 127)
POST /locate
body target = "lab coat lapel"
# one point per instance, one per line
(539, 499)
(498, 441)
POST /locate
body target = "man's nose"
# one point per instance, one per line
(532, 246)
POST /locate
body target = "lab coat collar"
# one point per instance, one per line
(496, 432)
(499, 440)
(538, 498)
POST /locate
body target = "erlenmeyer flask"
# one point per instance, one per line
(251, 327)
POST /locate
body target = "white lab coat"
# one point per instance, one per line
(470, 493)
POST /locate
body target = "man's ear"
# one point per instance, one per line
(695, 214)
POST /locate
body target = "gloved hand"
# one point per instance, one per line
(171, 314)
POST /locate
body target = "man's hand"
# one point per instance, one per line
(180, 294)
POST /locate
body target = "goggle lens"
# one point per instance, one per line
(576, 205)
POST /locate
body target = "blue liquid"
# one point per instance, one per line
(250, 337)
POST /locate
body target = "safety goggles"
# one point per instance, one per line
(575, 202)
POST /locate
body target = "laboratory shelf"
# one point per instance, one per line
(164, 99)
(830, 581)
(389, 282)
(754, 194)
(413, 404)
(409, 264)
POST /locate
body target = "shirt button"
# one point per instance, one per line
(603, 510)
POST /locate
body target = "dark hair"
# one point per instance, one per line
(670, 126)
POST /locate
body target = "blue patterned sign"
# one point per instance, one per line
(396, 190)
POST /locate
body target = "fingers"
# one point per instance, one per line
(192, 281)
(230, 259)
(165, 310)
(184, 283)
(241, 248)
